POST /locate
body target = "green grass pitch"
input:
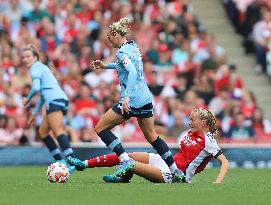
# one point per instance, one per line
(29, 186)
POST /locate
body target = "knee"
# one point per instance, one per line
(97, 129)
(42, 132)
(151, 136)
(58, 131)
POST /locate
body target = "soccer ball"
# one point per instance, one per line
(58, 173)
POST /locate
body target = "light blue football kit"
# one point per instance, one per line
(44, 82)
(129, 66)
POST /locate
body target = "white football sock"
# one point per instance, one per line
(123, 157)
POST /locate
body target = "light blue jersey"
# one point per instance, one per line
(129, 66)
(43, 81)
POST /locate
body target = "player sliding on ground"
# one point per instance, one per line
(197, 148)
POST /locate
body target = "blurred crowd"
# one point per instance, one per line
(184, 67)
(252, 19)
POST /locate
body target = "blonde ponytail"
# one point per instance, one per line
(121, 26)
(208, 117)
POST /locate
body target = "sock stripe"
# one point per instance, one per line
(68, 151)
(55, 151)
(113, 144)
(166, 155)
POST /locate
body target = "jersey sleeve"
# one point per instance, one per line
(110, 66)
(211, 146)
(38, 106)
(35, 88)
(35, 72)
(130, 67)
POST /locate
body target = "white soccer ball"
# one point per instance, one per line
(58, 173)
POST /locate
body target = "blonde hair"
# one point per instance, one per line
(121, 26)
(34, 49)
(208, 117)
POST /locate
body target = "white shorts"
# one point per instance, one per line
(157, 161)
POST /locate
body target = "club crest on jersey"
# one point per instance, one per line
(126, 60)
(189, 141)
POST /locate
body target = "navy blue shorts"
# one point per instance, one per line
(58, 105)
(145, 111)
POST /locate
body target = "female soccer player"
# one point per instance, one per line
(197, 148)
(136, 101)
(56, 102)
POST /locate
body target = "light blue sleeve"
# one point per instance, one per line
(130, 67)
(110, 66)
(38, 106)
(35, 88)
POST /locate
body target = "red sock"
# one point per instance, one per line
(108, 160)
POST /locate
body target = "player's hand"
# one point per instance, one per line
(25, 101)
(97, 64)
(125, 105)
(31, 120)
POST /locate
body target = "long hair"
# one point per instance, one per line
(210, 120)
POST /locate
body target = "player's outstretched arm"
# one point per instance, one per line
(223, 169)
(98, 64)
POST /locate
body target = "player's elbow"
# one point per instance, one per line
(223, 161)
(36, 89)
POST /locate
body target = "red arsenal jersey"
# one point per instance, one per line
(195, 152)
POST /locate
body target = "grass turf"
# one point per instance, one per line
(29, 186)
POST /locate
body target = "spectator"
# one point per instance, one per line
(239, 130)
(221, 102)
(179, 125)
(261, 125)
(37, 14)
(10, 134)
(262, 35)
(183, 64)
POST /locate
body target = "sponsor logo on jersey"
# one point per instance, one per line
(126, 60)
(189, 141)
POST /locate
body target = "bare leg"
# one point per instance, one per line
(147, 127)
(142, 157)
(144, 169)
(149, 172)
(55, 121)
(108, 121)
(49, 140)
(44, 128)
